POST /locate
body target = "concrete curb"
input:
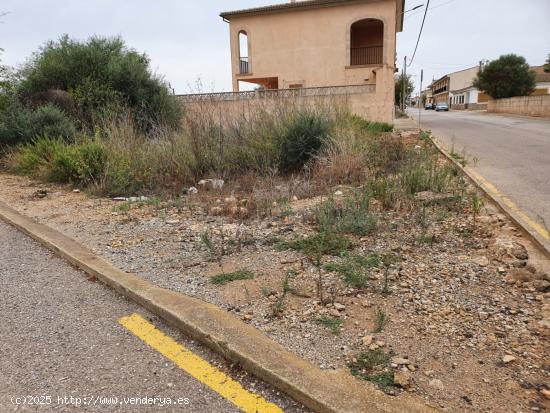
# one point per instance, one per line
(538, 241)
(322, 392)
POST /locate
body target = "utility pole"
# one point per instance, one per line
(403, 96)
(420, 97)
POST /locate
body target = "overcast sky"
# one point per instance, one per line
(187, 40)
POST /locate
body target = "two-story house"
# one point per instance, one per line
(319, 43)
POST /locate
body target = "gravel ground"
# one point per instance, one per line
(59, 337)
(466, 317)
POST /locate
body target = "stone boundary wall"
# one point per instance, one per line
(522, 105)
(469, 106)
(360, 99)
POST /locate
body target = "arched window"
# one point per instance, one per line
(367, 42)
(244, 65)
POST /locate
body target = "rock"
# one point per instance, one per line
(294, 198)
(137, 199)
(216, 211)
(120, 199)
(339, 307)
(519, 251)
(192, 190)
(367, 340)
(173, 221)
(76, 191)
(545, 393)
(519, 275)
(400, 361)
(508, 359)
(210, 184)
(230, 202)
(541, 285)
(402, 379)
(41, 193)
(334, 312)
(248, 317)
(338, 193)
(436, 384)
(482, 261)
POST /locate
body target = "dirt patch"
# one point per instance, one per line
(445, 305)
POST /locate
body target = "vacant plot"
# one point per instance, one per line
(378, 258)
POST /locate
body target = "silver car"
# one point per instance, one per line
(441, 106)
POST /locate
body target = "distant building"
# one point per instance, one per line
(453, 88)
(542, 80)
(458, 91)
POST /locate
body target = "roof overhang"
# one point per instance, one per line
(308, 4)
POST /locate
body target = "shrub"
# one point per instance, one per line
(21, 125)
(300, 138)
(100, 74)
(56, 161)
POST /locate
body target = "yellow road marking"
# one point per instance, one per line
(534, 225)
(197, 367)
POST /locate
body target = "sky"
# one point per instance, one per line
(187, 41)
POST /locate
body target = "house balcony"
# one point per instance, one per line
(244, 66)
(371, 55)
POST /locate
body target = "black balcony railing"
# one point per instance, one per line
(244, 66)
(372, 55)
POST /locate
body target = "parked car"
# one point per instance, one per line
(441, 106)
(429, 106)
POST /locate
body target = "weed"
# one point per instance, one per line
(225, 278)
(355, 269)
(123, 207)
(476, 204)
(459, 157)
(332, 323)
(319, 244)
(350, 216)
(425, 135)
(209, 244)
(427, 239)
(278, 306)
(381, 320)
(373, 366)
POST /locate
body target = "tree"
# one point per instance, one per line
(508, 76)
(547, 65)
(409, 88)
(95, 78)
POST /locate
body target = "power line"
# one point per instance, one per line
(420, 34)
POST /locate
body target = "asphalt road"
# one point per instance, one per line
(513, 153)
(59, 338)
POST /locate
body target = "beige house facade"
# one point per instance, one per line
(319, 44)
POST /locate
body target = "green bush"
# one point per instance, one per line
(301, 137)
(21, 125)
(100, 75)
(56, 161)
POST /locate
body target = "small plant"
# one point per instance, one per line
(459, 157)
(373, 366)
(381, 320)
(322, 243)
(476, 204)
(355, 269)
(332, 323)
(352, 216)
(225, 278)
(122, 207)
(209, 244)
(388, 260)
(280, 303)
(425, 135)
